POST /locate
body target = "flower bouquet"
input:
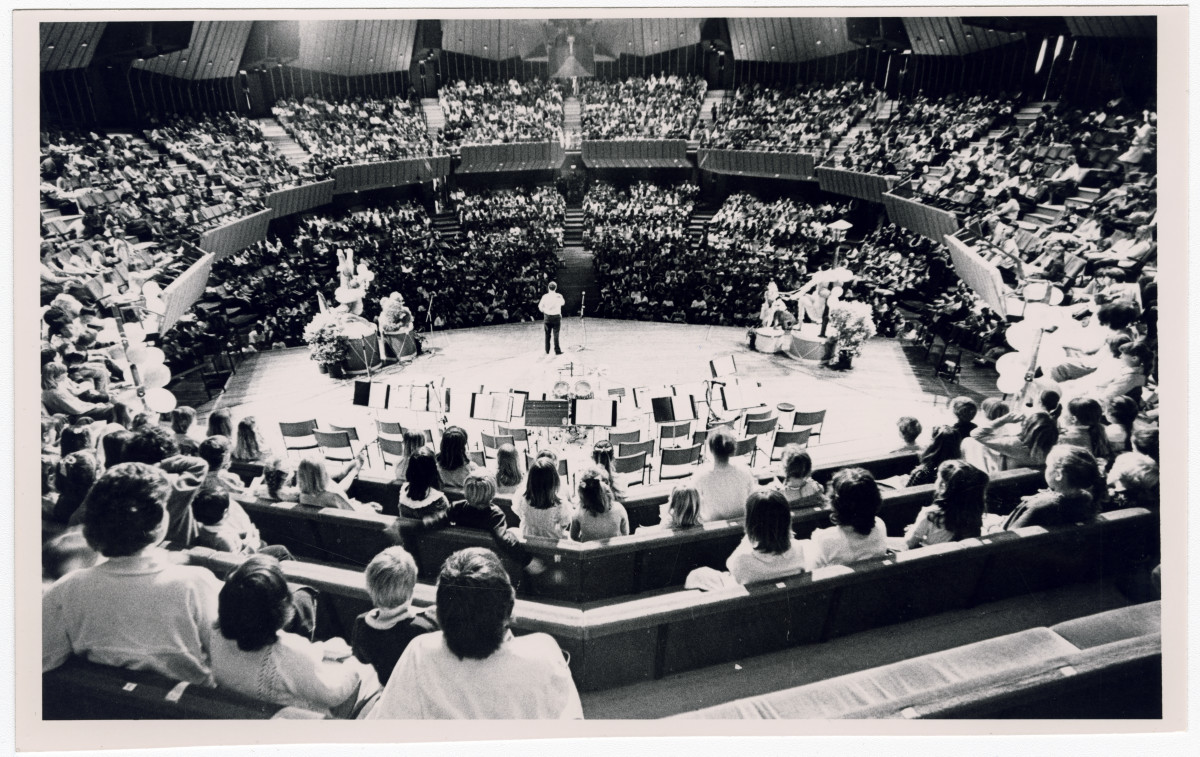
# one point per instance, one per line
(853, 325)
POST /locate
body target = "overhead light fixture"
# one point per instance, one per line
(184, 60)
(941, 39)
(818, 42)
(83, 44)
(49, 47)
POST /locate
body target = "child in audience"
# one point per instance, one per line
(769, 549)
(413, 441)
(1073, 477)
(798, 488)
(317, 489)
(182, 419)
(1085, 429)
(453, 464)
(909, 428)
(993, 408)
(957, 509)
(220, 423)
(1145, 440)
(598, 516)
(856, 534)
(77, 472)
(1048, 401)
(602, 456)
(381, 635)
(508, 470)
(543, 514)
(682, 508)
(421, 497)
(253, 655)
(1121, 411)
(251, 446)
(220, 529)
(1133, 482)
(217, 451)
(278, 481)
(944, 444)
(964, 409)
(478, 511)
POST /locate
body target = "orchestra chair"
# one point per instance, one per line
(389, 429)
(683, 459)
(760, 427)
(352, 432)
(493, 443)
(951, 366)
(784, 438)
(625, 449)
(518, 435)
(299, 435)
(335, 445)
(391, 451)
(632, 464)
(478, 457)
(624, 437)
(747, 447)
(758, 415)
(668, 431)
(562, 465)
(813, 420)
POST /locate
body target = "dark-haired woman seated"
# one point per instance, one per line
(474, 668)
(253, 655)
(769, 549)
(856, 534)
(957, 509)
(138, 609)
(944, 444)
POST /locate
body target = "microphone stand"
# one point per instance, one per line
(583, 322)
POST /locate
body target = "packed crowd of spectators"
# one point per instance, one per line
(809, 118)
(658, 107)
(923, 131)
(492, 275)
(649, 268)
(484, 113)
(356, 130)
(231, 148)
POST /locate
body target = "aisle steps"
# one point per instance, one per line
(572, 121)
(274, 133)
(435, 118)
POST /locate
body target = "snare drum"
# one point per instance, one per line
(583, 390)
(561, 390)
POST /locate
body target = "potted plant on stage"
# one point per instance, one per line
(852, 325)
(328, 343)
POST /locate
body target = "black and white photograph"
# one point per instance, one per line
(618, 365)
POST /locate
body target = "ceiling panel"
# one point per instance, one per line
(794, 39)
(1112, 26)
(356, 48)
(214, 52)
(947, 35)
(67, 45)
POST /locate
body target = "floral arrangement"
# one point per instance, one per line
(854, 326)
(327, 338)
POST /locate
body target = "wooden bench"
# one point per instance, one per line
(577, 572)
(619, 642)
(1040, 672)
(81, 690)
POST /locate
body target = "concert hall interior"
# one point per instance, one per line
(771, 367)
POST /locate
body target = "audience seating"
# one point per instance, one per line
(615, 643)
(1036, 673)
(82, 690)
(646, 560)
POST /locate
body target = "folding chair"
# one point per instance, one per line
(298, 436)
(632, 448)
(352, 432)
(388, 429)
(744, 447)
(335, 445)
(562, 465)
(784, 438)
(517, 434)
(624, 437)
(813, 420)
(683, 459)
(759, 415)
(477, 456)
(668, 431)
(391, 451)
(632, 464)
(493, 442)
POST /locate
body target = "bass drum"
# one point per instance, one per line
(561, 390)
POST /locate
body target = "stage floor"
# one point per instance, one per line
(887, 381)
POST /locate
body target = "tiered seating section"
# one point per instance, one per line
(487, 113)
(657, 107)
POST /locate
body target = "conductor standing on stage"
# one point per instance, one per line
(551, 306)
